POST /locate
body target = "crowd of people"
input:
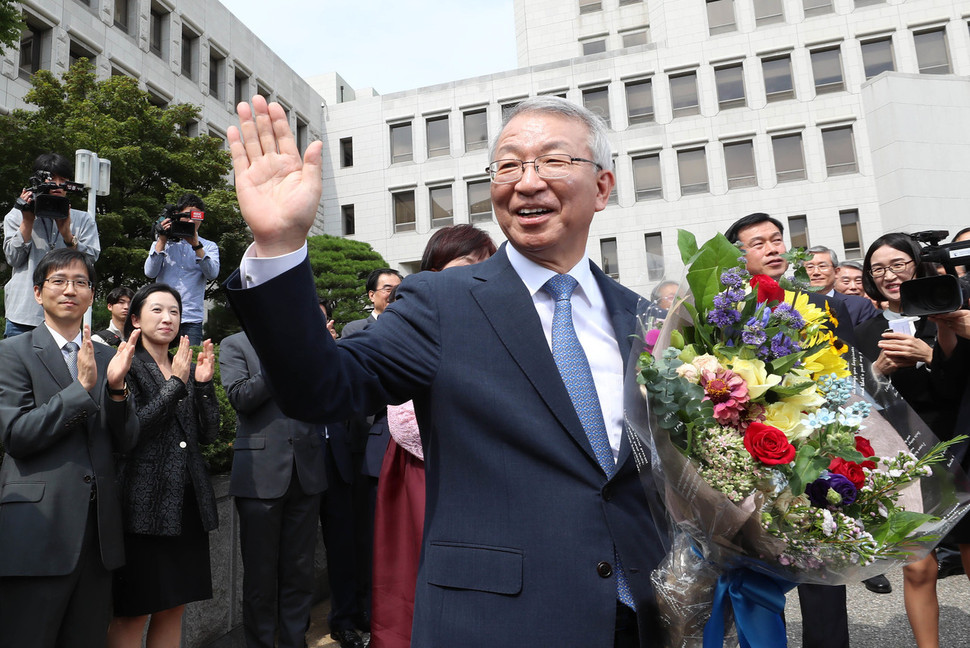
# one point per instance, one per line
(462, 447)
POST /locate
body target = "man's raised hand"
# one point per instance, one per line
(278, 191)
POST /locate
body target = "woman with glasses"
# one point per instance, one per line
(902, 351)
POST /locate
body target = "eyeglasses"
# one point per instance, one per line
(817, 266)
(549, 167)
(60, 283)
(897, 268)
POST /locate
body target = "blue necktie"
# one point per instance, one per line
(578, 378)
(72, 349)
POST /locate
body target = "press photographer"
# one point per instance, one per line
(184, 260)
(41, 220)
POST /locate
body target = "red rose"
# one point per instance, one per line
(767, 444)
(768, 289)
(862, 445)
(848, 469)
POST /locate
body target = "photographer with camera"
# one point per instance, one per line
(40, 221)
(184, 260)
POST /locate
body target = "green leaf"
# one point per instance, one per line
(808, 466)
(898, 526)
(687, 244)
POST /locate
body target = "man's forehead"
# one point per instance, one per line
(821, 256)
(549, 131)
(758, 231)
(71, 270)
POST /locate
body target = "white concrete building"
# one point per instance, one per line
(843, 119)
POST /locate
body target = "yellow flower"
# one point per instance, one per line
(787, 417)
(755, 375)
(808, 398)
(812, 314)
(827, 360)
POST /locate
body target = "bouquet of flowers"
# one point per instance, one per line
(779, 456)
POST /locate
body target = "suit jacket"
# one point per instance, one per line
(59, 441)
(859, 308)
(520, 518)
(357, 326)
(175, 419)
(843, 322)
(268, 443)
(371, 435)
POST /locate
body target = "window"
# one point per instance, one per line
(739, 162)
(789, 160)
(190, 53)
(597, 100)
(827, 68)
(692, 165)
(639, 101)
(190, 128)
(851, 236)
(476, 129)
(816, 7)
(241, 86)
(655, 256)
(78, 51)
(683, 94)
(507, 109)
(156, 98)
(401, 144)
(595, 46)
(767, 12)
(347, 220)
(158, 31)
(798, 231)
(442, 207)
(629, 2)
(867, 3)
(346, 152)
(589, 6)
(122, 15)
(646, 177)
(931, 52)
(608, 255)
(839, 150)
(438, 143)
(479, 201)
(302, 135)
(877, 56)
(217, 74)
(35, 50)
(636, 37)
(403, 211)
(720, 16)
(778, 80)
(730, 85)
(263, 91)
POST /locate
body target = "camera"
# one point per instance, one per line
(178, 228)
(42, 203)
(941, 293)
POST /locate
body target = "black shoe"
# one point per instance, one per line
(362, 621)
(878, 584)
(348, 639)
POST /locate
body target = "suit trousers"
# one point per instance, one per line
(278, 538)
(71, 611)
(825, 620)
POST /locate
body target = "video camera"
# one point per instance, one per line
(178, 228)
(939, 293)
(42, 203)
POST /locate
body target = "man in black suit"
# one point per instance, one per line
(822, 271)
(380, 283)
(64, 411)
(277, 478)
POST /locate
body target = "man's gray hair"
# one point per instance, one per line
(599, 143)
(855, 265)
(821, 249)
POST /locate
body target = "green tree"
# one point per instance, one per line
(153, 162)
(11, 23)
(340, 268)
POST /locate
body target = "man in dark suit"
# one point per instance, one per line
(538, 531)
(64, 409)
(822, 271)
(277, 478)
(380, 283)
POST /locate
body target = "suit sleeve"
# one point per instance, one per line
(207, 405)
(27, 427)
(120, 419)
(156, 409)
(246, 392)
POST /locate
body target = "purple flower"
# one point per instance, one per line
(731, 278)
(723, 317)
(843, 492)
(787, 315)
(782, 345)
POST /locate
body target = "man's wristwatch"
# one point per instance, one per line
(197, 247)
(73, 242)
(119, 392)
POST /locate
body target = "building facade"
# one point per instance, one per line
(842, 118)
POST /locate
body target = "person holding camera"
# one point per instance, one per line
(30, 232)
(184, 260)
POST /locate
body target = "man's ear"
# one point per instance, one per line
(37, 295)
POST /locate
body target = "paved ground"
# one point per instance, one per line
(875, 620)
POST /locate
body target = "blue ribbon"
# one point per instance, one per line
(758, 601)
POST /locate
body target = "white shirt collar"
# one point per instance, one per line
(61, 340)
(534, 276)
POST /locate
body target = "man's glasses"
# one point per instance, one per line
(60, 283)
(549, 167)
(898, 267)
(817, 266)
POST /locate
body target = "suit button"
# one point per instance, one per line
(604, 569)
(87, 479)
(290, 441)
(607, 493)
(182, 444)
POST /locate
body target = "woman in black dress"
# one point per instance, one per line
(169, 506)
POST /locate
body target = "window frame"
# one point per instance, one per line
(690, 109)
(641, 116)
(693, 188)
(736, 102)
(435, 194)
(399, 201)
(778, 95)
(437, 122)
(793, 174)
(399, 127)
(473, 216)
(839, 168)
(476, 145)
(740, 181)
(721, 28)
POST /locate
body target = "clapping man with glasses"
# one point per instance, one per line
(823, 272)
(64, 412)
(538, 531)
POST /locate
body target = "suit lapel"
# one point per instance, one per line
(508, 307)
(50, 356)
